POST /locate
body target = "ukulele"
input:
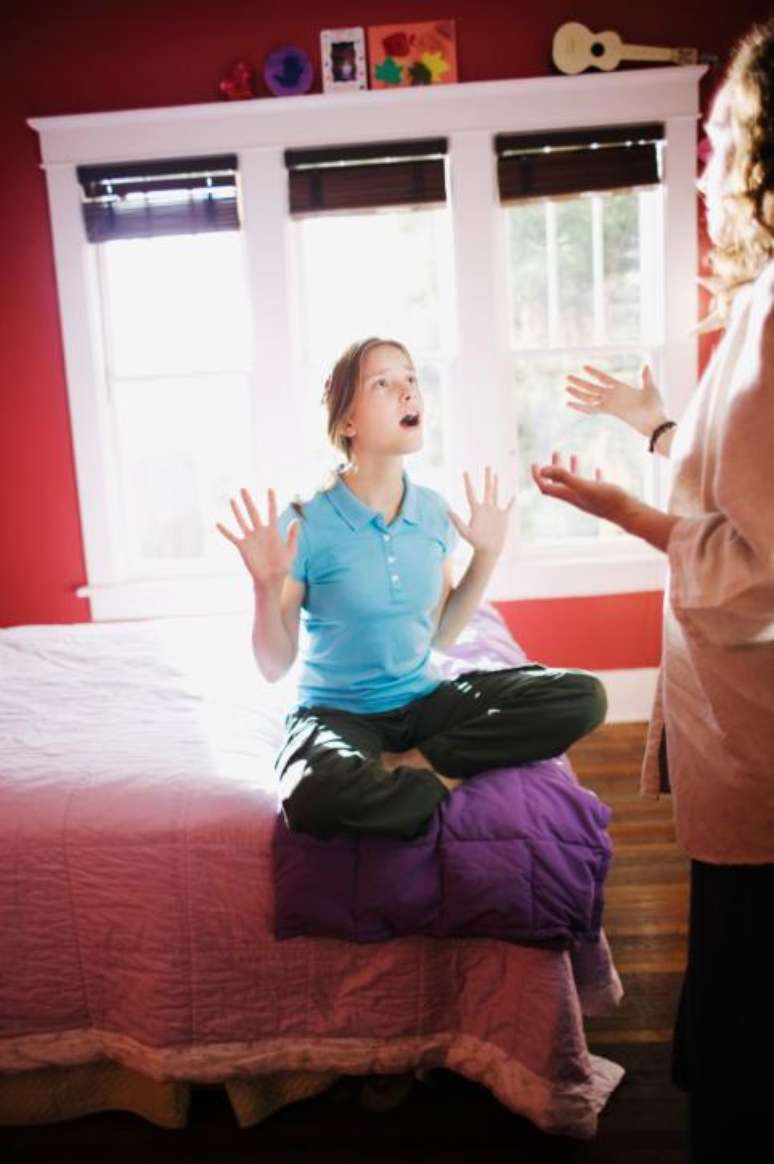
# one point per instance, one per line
(575, 48)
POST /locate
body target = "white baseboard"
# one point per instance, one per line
(629, 693)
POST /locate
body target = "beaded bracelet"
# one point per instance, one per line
(658, 431)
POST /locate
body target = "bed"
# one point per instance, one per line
(137, 947)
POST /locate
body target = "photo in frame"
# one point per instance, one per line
(422, 53)
(343, 54)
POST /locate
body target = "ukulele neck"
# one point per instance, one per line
(644, 52)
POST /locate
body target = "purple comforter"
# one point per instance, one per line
(518, 854)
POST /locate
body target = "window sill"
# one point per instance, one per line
(578, 573)
(169, 597)
(568, 576)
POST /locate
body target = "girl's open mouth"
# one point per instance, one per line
(410, 420)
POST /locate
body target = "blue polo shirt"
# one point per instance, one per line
(371, 589)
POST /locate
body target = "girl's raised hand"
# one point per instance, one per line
(596, 497)
(488, 524)
(642, 407)
(267, 557)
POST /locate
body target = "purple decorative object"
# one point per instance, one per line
(518, 854)
(288, 71)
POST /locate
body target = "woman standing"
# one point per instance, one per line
(711, 738)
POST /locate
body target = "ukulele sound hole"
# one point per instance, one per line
(597, 49)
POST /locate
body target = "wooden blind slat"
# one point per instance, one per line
(142, 199)
(367, 175)
(577, 161)
(360, 187)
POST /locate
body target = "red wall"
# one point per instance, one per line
(604, 632)
(92, 55)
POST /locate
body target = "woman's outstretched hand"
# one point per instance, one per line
(488, 523)
(267, 557)
(642, 408)
(595, 496)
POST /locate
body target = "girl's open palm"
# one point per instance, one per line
(266, 555)
(488, 524)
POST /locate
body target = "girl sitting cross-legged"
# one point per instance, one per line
(377, 737)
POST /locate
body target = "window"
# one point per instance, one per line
(174, 306)
(196, 351)
(585, 287)
(372, 256)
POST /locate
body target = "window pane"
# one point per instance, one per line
(575, 271)
(526, 231)
(584, 283)
(184, 449)
(622, 266)
(387, 273)
(584, 269)
(176, 304)
(431, 379)
(380, 273)
(544, 423)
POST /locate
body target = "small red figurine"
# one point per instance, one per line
(240, 82)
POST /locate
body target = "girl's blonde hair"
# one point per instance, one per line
(746, 241)
(339, 394)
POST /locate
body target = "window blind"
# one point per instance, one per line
(159, 197)
(542, 165)
(354, 177)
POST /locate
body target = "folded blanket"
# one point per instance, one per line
(518, 854)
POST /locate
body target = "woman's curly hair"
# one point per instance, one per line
(746, 241)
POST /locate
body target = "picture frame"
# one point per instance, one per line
(343, 55)
(408, 54)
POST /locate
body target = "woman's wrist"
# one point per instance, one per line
(658, 431)
(651, 422)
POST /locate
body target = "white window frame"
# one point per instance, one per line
(587, 554)
(435, 477)
(259, 131)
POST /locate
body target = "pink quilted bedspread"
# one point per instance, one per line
(137, 801)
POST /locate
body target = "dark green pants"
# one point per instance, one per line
(331, 780)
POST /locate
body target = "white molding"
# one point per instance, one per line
(556, 577)
(75, 268)
(266, 231)
(479, 374)
(680, 353)
(169, 598)
(579, 576)
(532, 102)
(259, 130)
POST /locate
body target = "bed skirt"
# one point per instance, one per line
(49, 1095)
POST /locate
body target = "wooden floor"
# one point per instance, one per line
(450, 1119)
